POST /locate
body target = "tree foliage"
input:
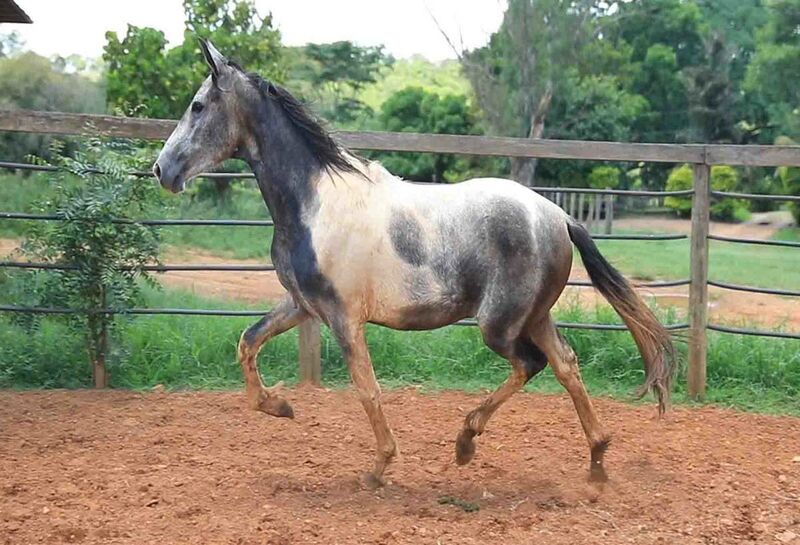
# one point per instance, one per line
(29, 81)
(723, 178)
(334, 74)
(146, 77)
(416, 110)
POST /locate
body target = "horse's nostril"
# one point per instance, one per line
(157, 171)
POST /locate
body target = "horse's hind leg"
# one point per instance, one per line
(283, 317)
(565, 367)
(354, 348)
(526, 361)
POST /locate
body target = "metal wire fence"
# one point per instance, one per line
(162, 268)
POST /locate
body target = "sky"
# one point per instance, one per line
(405, 27)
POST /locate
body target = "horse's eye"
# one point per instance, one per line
(197, 107)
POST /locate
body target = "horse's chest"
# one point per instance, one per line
(298, 270)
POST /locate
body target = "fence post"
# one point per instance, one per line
(609, 219)
(698, 291)
(310, 350)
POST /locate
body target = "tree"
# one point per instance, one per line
(516, 75)
(335, 73)
(108, 258)
(10, 44)
(723, 178)
(415, 110)
(594, 107)
(147, 78)
(29, 81)
(775, 65)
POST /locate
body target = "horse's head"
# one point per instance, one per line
(210, 130)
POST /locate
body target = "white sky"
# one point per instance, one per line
(405, 27)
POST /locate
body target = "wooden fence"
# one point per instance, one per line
(700, 156)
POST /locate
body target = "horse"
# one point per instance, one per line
(354, 244)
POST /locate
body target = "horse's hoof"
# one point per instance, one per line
(276, 406)
(370, 481)
(465, 447)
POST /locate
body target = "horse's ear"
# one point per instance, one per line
(216, 60)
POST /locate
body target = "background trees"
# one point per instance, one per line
(147, 78)
(30, 81)
(720, 71)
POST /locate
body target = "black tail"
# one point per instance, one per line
(654, 341)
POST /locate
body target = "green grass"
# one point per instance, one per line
(200, 352)
(19, 194)
(792, 234)
(245, 203)
(764, 266)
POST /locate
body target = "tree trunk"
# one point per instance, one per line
(523, 169)
(99, 373)
(98, 344)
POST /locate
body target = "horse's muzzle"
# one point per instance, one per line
(169, 177)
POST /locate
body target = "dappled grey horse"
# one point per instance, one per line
(354, 244)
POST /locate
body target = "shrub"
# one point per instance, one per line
(108, 258)
(604, 177)
(723, 178)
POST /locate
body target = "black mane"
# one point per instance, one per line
(323, 147)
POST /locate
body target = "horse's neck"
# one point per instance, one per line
(285, 171)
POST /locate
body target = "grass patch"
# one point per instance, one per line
(200, 352)
(792, 234)
(245, 242)
(747, 264)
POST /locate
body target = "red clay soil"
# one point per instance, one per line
(124, 467)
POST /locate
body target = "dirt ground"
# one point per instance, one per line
(123, 467)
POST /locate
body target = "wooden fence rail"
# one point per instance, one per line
(701, 156)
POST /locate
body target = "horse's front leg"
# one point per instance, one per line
(283, 317)
(354, 348)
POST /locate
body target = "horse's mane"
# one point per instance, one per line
(331, 156)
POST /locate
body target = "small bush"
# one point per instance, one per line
(108, 257)
(604, 177)
(723, 178)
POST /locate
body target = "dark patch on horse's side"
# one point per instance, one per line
(509, 231)
(407, 238)
(460, 262)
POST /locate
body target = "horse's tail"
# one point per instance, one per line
(654, 341)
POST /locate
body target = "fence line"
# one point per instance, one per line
(756, 241)
(159, 129)
(701, 156)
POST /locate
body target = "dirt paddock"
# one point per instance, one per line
(125, 467)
